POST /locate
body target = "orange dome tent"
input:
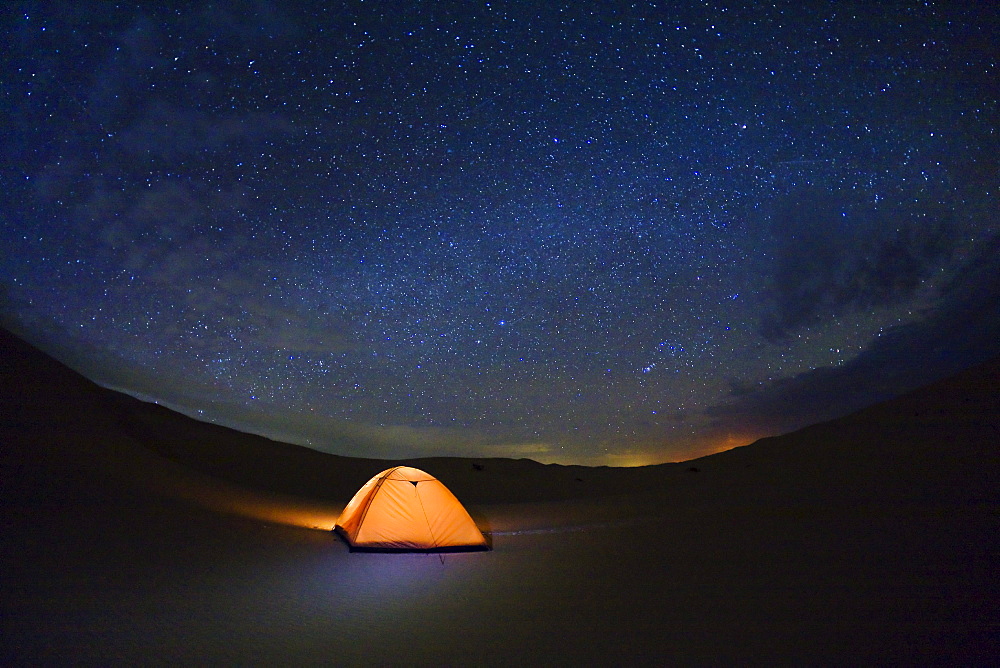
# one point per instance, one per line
(403, 509)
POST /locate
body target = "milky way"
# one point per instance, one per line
(583, 232)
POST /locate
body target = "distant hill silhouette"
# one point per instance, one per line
(60, 430)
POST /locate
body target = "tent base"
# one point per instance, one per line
(410, 550)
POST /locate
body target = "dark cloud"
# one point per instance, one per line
(961, 330)
(835, 254)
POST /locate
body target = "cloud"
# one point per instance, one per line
(962, 329)
(834, 254)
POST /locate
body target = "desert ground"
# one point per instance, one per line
(134, 535)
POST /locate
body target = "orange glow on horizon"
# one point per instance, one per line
(729, 442)
(632, 459)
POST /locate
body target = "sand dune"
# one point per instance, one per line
(132, 535)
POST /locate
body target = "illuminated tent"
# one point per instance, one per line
(403, 509)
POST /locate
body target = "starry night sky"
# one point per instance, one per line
(586, 232)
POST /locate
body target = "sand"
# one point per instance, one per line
(132, 535)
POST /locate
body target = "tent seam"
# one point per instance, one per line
(371, 497)
(426, 519)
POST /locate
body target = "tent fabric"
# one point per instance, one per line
(407, 510)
